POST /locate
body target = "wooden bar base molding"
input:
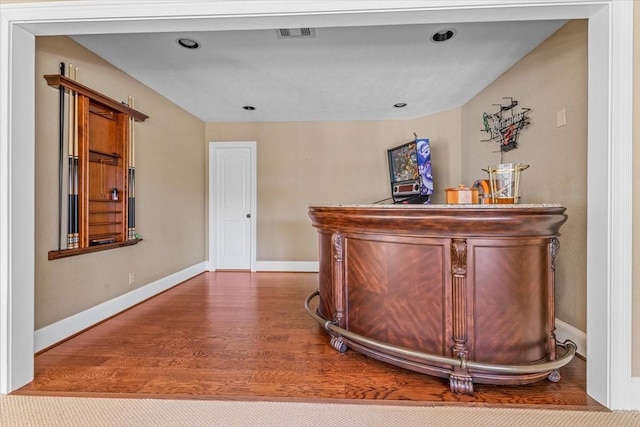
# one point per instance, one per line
(464, 292)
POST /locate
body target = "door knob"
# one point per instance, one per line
(248, 215)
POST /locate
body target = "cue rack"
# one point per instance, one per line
(96, 178)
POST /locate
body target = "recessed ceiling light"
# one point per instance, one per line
(443, 35)
(249, 107)
(188, 43)
(400, 105)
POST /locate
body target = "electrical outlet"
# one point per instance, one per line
(132, 278)
(561, 118)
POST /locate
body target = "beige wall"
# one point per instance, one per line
(551, 78)
(170, 182)
(301, 163)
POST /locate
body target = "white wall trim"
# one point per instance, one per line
(17, 205)
(609, 209)
(5, 191)
(288, 266)
(65, 328)
(565, 331)
(624, 389)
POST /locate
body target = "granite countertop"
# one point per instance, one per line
(442, 206)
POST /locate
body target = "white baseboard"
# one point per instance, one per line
(293, 266)
(565, 331)
(65, 328)
(285, 266)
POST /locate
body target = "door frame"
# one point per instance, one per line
(213, 205)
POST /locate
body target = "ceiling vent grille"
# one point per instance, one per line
(295, 33)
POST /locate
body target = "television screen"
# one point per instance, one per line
(410, 169)
(403, 162)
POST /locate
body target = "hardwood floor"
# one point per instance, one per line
(246, 336)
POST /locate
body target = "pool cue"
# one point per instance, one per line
(131, 215)
(70, 230)
(60, 161)
(71, 163)
(73, 241)
(70, 235)
(76, 225)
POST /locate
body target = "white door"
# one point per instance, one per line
(234, 198)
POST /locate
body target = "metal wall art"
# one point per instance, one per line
(504, 126)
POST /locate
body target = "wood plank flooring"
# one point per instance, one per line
(246, 336)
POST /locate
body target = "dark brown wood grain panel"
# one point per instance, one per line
(511, 294)
(327, 306)
(400, 305)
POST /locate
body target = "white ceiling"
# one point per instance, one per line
(342, 73)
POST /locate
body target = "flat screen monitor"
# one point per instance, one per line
(410, 170)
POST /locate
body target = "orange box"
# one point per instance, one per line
(462, 195)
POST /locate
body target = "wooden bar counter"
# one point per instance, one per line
(464, 292)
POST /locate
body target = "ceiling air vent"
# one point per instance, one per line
(296, 33)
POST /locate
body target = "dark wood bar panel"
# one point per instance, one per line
(464, 292)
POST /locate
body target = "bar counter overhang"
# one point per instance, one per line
(464, 292)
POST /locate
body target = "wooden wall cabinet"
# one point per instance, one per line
(103, 136)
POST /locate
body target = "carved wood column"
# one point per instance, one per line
(337, 242)
(459, 381)
(554, 248)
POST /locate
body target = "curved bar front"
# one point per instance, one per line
(470, 282)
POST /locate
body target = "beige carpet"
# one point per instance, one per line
(25, 411)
